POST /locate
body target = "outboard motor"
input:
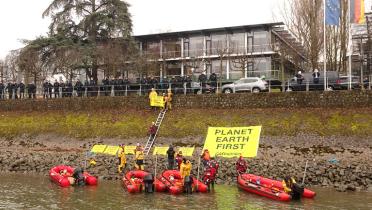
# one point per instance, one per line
(297, 191)
(188, 184)
(79, 177)
(149, 183)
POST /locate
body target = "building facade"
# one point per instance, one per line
(230, 52)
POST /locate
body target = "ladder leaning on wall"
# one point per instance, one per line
(150, 141)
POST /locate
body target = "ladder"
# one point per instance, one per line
(150, 142)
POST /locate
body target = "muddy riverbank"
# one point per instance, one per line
(342, 163)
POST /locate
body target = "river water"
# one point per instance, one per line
(35, 192)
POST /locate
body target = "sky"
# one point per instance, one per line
(22, 19)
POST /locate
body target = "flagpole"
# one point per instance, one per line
(325, 47)
(351, 45)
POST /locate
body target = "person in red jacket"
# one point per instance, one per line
(241, 165)
(210, 174)
(179, 158)
(152, 131)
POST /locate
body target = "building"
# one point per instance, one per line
(233, 52)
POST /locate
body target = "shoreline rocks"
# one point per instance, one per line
(332, 163)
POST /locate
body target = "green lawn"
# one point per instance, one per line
(183, 123)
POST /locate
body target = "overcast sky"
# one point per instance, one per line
(21, 19)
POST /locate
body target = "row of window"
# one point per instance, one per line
(214, 44)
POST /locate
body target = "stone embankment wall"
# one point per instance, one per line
(334, 99)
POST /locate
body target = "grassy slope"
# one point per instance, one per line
(182, 123)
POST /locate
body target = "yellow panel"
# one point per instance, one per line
(98, 148)
(160, 150)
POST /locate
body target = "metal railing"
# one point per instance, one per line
(190, 87)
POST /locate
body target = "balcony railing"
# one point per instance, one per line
(240, 50)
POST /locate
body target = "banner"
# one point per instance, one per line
(98, 148)
(129, 150)
(187, 151)
(111, 150)
(160, 150)
(233, 142)
(157, 101)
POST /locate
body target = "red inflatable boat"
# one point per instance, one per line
(133, 182)
(174, 183)
(61, 179)
(274, 184)
(246, 184)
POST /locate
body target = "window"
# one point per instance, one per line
(250, 44)
(216, 68)
(219, 43)
(172, 48)
(237, 43)
(196, 45)
(152, 48)
(261, 41)
(186, 47)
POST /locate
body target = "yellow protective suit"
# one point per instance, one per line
(169, 100)
(288, 185)
(122, 160)
(152, 96)
(139, 160)
(185, 169)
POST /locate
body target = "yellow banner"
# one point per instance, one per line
(187, 151)
(98, 148)
(111, 150)
(157, 101)
(233, 142)
(129, 150)
(160, 151)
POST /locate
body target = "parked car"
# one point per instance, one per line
(250, 84)
(343, 83)
(294, 85)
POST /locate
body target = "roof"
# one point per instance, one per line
(208, 31)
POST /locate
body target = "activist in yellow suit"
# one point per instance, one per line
(169, 99)
(152, 97)
(139, 159)
(185, 168)
(122, 159)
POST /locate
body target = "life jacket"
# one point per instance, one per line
(241, 166)
(170, 95)
(122, 157)
(288, 184)
(139, 155)
(179, 160)
(185, 169)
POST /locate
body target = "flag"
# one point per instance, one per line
(357, 8)
(332, 12)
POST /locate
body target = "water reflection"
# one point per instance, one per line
(32, 192)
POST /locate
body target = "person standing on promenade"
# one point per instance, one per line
(56, 89)
(21, 90)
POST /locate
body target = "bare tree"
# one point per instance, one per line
(2, 70)
(223, 52)
(11, 61)
(305, 19)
